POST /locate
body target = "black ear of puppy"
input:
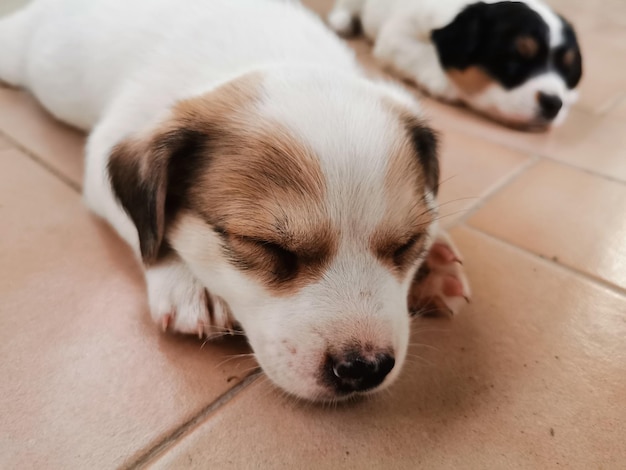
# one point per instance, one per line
(457, 43)
(146, 176)
(426, 145)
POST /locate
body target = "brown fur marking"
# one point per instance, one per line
(250, 179)
(472, 80)
(527, 46)
(413, 167)
(569, 57)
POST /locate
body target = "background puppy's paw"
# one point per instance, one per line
(180, 303)
(440, 285)
(343, 22)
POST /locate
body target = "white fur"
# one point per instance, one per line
(116, 67)
(400, 30)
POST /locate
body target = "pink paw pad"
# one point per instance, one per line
(440, 285)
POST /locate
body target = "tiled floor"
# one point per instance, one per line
(532, 375)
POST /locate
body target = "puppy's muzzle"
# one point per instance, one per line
(357, 371)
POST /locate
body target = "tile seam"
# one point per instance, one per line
(179, 433)
(616, 289)
(42, 163)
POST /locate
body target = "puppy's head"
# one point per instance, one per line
(305, 200)
(516, 61)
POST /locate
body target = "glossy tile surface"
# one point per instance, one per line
(531, 375)
(472, 168)
(575, 218)
(58, 146)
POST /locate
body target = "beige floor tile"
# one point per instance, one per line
(25, 122)
(4, 143)
(618, 111)
(87, 380)
(560, 212)
(470, 169)
(527, 377)
(595, 144)
(604, 78)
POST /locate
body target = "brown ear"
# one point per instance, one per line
(144, 173)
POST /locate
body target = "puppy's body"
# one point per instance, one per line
(261, 178)
(517, 61)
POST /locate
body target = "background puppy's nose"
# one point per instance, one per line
(357, 373)
(550, 105)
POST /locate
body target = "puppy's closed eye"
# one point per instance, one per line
(406, 249)
(401, 253)
(252, 253)
(285, 261)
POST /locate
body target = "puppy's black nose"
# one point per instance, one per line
(356, 373)
(550, 105)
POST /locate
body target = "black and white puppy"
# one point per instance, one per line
(516, 61)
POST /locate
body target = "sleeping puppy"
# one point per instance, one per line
(261, 179)
(516, 61)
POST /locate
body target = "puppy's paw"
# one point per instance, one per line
(343, 22)
(440, 285)
(178, 302)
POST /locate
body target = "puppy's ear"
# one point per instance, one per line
(145, 174)
(426, 144)
(458, 43)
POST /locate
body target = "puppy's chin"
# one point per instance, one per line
(534, 124)
(537, 125)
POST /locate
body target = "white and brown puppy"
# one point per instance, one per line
(260, 177)
(516, 61)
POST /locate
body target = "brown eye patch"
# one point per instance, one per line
(568, 57)
(527, 46)
(399, 255)
(405, 250)
(250, 253)
(281, 266)
(261, 189)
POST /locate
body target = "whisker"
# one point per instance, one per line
(234, 356)
(422, 345)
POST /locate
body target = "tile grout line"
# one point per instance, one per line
(569, 269)
(496, 188)
(587, 171)
(42, 163)
(540, 154)
(184, 429)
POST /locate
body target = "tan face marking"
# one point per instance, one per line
(569, 57)
(472, 80)
(264, 192)
(527, 46)
(401, 235)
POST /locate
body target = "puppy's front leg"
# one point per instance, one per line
(179, 302)
(440, 285)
